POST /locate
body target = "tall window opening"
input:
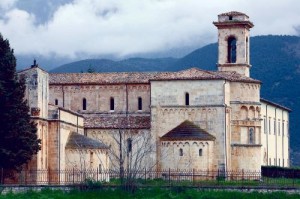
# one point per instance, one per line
(200, 152)
(251, 135)
(231, 50)
(180, 152)
(83, 104)
(140, 104)
(187, 99)
(278, 128)
(56, 101)
(247, 49)
(274, 126)
(112, 104)
(129, 145)
(230, 17)
(282, 128)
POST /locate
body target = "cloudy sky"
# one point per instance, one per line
(122, 28)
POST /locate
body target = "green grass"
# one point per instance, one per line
(278, 182)
(173, 193)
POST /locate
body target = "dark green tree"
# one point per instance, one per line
(18, 134)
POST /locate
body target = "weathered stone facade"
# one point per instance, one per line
(224, 105)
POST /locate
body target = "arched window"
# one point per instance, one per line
(83, 104)
(56, 101)
(187, 99)
(180, 152)
(251, 135)
(112, 104)
(200, 152)
(140, 104)
(231, 50)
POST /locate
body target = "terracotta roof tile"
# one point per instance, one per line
(117, 121)
(140, 77)
(187, 131)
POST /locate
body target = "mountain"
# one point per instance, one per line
(275, 61)
(127, 65)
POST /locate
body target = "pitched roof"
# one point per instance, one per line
(101, 78)
(199, 74)
(78, 141)
(187, 131)
(117, 121)
(275, 104)
(142, 77)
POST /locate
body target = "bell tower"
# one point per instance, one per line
(233, 42)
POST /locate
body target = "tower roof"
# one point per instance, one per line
(233, 13)
(187, 131)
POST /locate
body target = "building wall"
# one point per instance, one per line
(275, 136)
(59, 131)
(37, 90)
(191, 158)
(143, 146)
(98, 97)
(206, 109)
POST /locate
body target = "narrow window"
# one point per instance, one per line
(278, 128)
(279, 162)
(100, 168)
(270, 163)
(140, 104)
(112, 104)
(91, 159)
(129, 145)
(274, 127)
(251, 135)
(180, 152)
(187, 99)
(269, 125)
(230, 17)
(83, 104)
(56, 101)
(200, 152)
(247, 49)
(282, 128)
(265, 125)
(287, 129)
(231, 50)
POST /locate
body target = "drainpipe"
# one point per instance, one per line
(225, 128)
(275, 131)
(267, 127)
(282, 138)
(58, 143)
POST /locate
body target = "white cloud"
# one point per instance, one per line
(6, 4)
(122, 28)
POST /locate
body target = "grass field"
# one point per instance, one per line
(172, 193)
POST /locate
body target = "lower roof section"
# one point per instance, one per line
(117, 121)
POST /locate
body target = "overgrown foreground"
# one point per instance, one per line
(146, 193)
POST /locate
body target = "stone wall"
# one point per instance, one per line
(195, 155)
(98, 97)
(275, 135)
(206, 109)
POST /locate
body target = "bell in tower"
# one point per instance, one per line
(233, 42)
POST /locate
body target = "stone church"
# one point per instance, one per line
(194, 119)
